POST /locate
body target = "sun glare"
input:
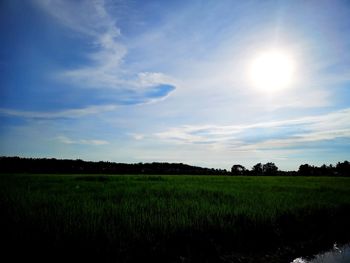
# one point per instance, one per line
(272, 71)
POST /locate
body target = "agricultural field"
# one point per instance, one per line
(171, 218)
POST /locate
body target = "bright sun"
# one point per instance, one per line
(272, 71)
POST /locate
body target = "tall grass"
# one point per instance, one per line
(170, 218)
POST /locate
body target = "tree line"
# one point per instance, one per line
(46, 165)
(340, 169)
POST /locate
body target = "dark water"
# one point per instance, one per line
(339, 254)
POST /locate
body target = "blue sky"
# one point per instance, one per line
(142, 81)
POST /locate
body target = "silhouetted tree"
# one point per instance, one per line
(238, 169)
(305, 170)
(257, 169)
(343, 169)
(269, 169)
(325, 170)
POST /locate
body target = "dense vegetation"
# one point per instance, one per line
(269, 169)
(171, 218)
(44, 165)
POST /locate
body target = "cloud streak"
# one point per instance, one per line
(106, 68)
(265, 135)
(66, 140)
(72, 113)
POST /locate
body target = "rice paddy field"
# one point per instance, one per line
(124, 218)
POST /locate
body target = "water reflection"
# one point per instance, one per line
(336, 255)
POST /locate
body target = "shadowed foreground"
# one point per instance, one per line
(171, 218)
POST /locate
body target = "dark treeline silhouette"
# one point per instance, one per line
(340, 169)
(44, 165)
(260, 169)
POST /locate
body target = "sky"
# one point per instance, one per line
(170, 81)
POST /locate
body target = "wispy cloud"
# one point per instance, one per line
(106, 69)
(265, 135)
(296, 141)
(66, 140)
(137, 136)
(72, 113)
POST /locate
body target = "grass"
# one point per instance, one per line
(172, 218)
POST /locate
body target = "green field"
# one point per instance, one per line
(172, 218)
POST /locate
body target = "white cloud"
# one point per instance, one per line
(147, 79)
(86, 17)
(107, 69)
(298, 140)
(307, 129)
(66, 140)
(72, 113)
(137, 136)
